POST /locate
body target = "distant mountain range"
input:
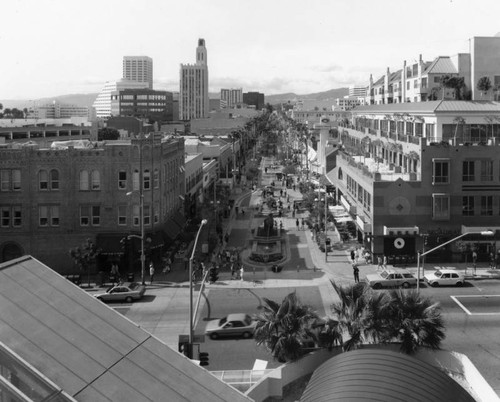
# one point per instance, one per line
(319, 99)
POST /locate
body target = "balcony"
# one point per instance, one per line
(377, 170)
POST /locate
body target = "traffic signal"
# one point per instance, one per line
(214, 275)
(203, 358)
(184, 346)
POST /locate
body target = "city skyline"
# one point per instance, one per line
(279, 47)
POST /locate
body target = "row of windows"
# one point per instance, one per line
(471, 206)
(359, 193)
(472, 170)
(89, 180)
(89, 215)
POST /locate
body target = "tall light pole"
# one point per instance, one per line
(482, 233)
(191, 319)
(326, 227)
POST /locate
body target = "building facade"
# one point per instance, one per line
(254, 99)
(143, 103)
(54, 199)
(139, 69)
(356, 91)
(423, 80)
(229, 98)
(102, 104)
(56, 110)
(416, 175)
(193, 91)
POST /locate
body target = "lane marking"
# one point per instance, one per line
(461, 305)
(455, 299)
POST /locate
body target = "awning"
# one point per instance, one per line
(179, 219)
(109, 243)
(171, 230)
(404, 230)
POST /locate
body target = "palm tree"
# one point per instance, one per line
(414, 321)
(458, 120)
(282, 328)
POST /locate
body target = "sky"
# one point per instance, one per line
(58, 47)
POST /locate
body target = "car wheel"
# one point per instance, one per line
(246, 335)
(459, 284)
(214, 335)
(377, 286)
(435, 284)
(128, 300)
(405, 285)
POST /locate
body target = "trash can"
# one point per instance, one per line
(130, 277)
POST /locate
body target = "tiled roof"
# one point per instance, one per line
(441, 65)
(382, 375)
(89, 350)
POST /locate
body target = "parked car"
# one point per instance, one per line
(134, 291)
(232, 325)
(391, 278)
(444, 277)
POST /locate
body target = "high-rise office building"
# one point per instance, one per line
(139, 69)
(102, 104)
(229, 98)
(193, 93)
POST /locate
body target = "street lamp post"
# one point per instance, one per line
(419, 254)
(191, 324)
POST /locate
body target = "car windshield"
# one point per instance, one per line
(222, 321)
(438, 273)
(384, 274)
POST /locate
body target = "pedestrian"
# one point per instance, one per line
(281, 225)
(353, 256)
(355, 270)
(115, 273)
(379, 263)
(226, 238)
(492, 260)
(293, 187)
(293, 216)
(167, 267)
(233, 270)
(474, 260)
(384, 262)
(151, 273)
(241, 272)
(296, 222)
(281, 192)
(303, 222)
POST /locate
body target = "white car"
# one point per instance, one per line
(232, 325)
(391, 278)
(444, 277)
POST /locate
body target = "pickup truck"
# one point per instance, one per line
(129, 293)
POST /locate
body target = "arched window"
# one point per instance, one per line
(54, 179)
(84, 180)
(43, 180)
(96, 180)
(135, 180)
(147, 179)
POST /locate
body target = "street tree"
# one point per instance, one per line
(85, 257)
(283, 328)
(483, 85)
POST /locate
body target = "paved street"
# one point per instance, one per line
(164, 311)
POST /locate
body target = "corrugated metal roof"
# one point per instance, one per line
(89, 350)
(431, 107)
(419, 107)
(441, 65)
(468, 106)
(381, 375)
